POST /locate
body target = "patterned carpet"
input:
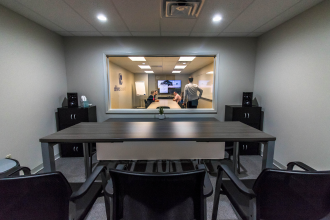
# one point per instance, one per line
(73, 170)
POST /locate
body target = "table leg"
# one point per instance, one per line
(88, 166)
(48, 157)
(268, 154)
(235, 156)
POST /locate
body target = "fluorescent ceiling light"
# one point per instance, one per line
(184, 63)
(144, 66)
(211, 72)
(176, 71)
(149, 71)
(137, 58)
(187, 58)
(217, 18)
(180, 66)
(102, 18)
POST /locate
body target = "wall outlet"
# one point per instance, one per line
(8, 156)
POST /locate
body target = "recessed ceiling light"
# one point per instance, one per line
(217, 18)
(102, 18)
(180, 67)
(184, 63)
(187, 58)
(144, 66)
(149, 71)
(211, 72)
(137, 58)
(143, 63)
(176, 71)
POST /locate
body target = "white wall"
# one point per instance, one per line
(32, 86)
(292, 84)
(85, 67)
(122, 99)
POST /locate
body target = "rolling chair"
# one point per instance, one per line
(161, 196)
(48, 196)
(277, 194)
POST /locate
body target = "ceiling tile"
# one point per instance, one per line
(177, 24)
(176, 33)
(255, 34)
(235, 34)
(204, 34)
(229, 10)
(90, 9)
(258, 13)
(86, 33)
(288, 14)
(116, 33)
(139, 15)
(64, 33)
(59, 13)
(28, 13)
(145, 33)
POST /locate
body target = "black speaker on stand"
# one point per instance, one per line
(247, 99)
(72, 100)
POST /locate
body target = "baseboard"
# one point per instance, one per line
(41, 166)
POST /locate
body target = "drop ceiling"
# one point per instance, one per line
(161, 65)
(142, 17)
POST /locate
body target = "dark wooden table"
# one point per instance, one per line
(120, 130)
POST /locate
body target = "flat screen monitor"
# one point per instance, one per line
(165, 86)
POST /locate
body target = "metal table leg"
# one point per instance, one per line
(235, 156)
(88, 166)
(48, 158)
(268, 154)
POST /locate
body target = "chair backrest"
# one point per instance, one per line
(165, 107)
(175, 196)
(292, 195)
(41, 196)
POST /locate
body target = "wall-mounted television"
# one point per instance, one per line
(165, 86)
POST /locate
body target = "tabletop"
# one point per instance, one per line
(164, 102)
(203, 131)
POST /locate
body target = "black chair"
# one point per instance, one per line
(49, 196)
(10, 166)
(146, 103)
(277, 194)
(164, 107)
(161, 196)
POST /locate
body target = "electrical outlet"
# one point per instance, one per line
(8, 156)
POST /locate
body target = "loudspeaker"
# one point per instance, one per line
(247, 99)
(72, 100)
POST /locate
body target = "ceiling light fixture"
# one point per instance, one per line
(102, 18)
(143, 63)
(217, 18)
(211, 72)
(149, 71)
(144, 66)
(176, 71)
(180, 67)
(187, 58)
(184, 63)
(137, 58)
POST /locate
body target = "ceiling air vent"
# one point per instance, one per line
(181, 8)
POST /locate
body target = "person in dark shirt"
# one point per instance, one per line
(151, 98)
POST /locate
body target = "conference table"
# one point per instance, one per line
(164, 102)
(129, 130)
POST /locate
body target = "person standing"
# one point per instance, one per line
(190, 94)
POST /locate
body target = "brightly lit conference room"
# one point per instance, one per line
(164, 109)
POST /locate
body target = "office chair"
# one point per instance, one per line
(161, 196)
(9, 167)
(49, 196)
(146, 103)
(277, 194)
(164, 107)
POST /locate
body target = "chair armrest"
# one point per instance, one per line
(88, 183)
(25, 170)
(109, 187)
(237, 182)
(208, 188)
(299, 164)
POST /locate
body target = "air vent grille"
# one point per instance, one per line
(181, 8)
